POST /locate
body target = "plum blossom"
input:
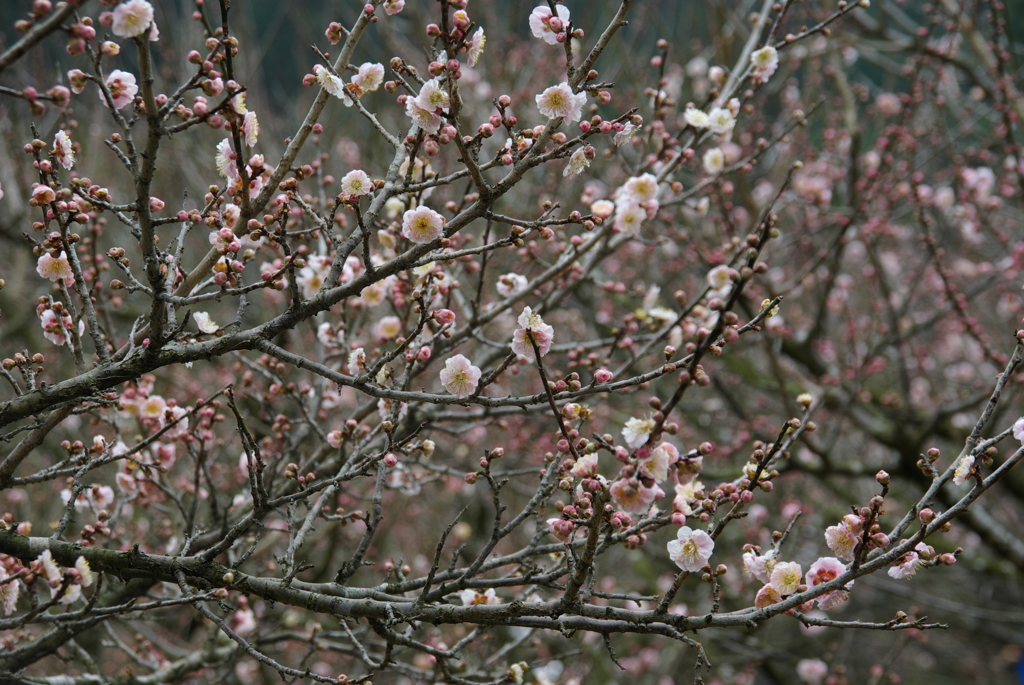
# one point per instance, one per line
(765, 61)
(459, 376)
(540, 23)
(767, 596)
(629, 217)
(356, 182)
(630, 495)
(471, 597)
(132, 18)
(9, 590)
(638, 189)
(389, 327)
(824, 570)
(577, 163)
(721, 121)
(532, 327)
(625, 135)
(760, 566)
(560, 101)
(906, 566)
(225, 160)
(636, 431)
(250, 128)
(422, 225)
(356, 361)
(122, 87)
(511, 284)
(691, 549)
(786, 577)
(685, 493)
(585, 467)
(475, 45)
(393, 6)
(963, 469)
(656, 465)
(1018, 429)
(55, 328)
(811, 671)
(63, 150)
(205, 322)
(844, 538)
(55, 268)
(332, 84)
(423, 117)
(602, 208)
(714, 161)
(369, 78)
(312, 276)
(697, 118)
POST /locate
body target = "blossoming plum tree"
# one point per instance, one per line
(436, 421)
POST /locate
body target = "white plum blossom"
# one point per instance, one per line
(389, 327)
(697, 118)
(250, 128)
(765, 62)
(560, 101)
(1018, 429)
(638, 189)
(632, 496)
(786, 577)
(332, 84)
(691, 549)
(471, 597)
(356, 182)
(393, 6)
(636, 431)
(625, 135)
(963, 470)
(577, 163)
(459, 376)
(132, 18)
(714, 161)
(721, 121)
(476, 45)
(205, 322)
(425, 118)
(511, 284)
(540, 23)
(422, 225)
(357, 361)
(602, 209)
(628, 218)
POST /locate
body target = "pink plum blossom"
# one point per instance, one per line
(540, 23)
(132, 18)
(63, 150)
(459, 376)
(532, 327)
(823, 570)
(630, 495)
(393, 6)
(55, 268)
(122, 87)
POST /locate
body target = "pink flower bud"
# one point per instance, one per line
(444, 316)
